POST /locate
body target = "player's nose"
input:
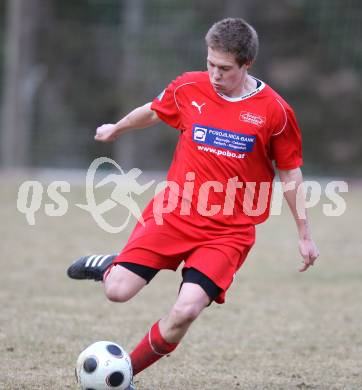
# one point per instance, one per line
(216, 76)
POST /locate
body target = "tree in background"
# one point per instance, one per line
(74, 65)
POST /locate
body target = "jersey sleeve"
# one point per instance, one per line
(286, 139)
(166, 105)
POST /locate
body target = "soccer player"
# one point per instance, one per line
(232, 128)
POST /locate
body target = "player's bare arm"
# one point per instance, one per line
(139, 118)
(292, 180)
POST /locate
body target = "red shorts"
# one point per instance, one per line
(216, 253)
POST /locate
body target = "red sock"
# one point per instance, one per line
(152, 348)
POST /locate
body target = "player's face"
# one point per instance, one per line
(226, 76)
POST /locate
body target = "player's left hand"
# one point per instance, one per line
(309, 251)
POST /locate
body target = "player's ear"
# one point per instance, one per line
(248, 64)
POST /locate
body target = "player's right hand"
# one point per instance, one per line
(106, 133)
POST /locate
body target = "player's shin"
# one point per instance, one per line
(152, 348)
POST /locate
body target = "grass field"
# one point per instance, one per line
(279, 329)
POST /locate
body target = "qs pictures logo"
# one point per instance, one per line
(30, 196)
(125, 185)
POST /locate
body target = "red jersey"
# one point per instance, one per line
(223, 163)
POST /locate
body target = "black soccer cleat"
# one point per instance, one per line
(90, 267)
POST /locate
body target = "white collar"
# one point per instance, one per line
(246, 96)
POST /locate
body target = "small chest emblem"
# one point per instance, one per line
(199, 107)
(254, 119)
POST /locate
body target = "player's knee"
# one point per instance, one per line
(185, 313)
(116, 292)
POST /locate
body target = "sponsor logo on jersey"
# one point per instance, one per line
(254, 119)
(200, 134)
(225, 139)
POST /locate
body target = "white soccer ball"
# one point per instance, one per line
(104, 365)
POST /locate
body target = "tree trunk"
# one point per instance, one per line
(129, 77)
(21, 80)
